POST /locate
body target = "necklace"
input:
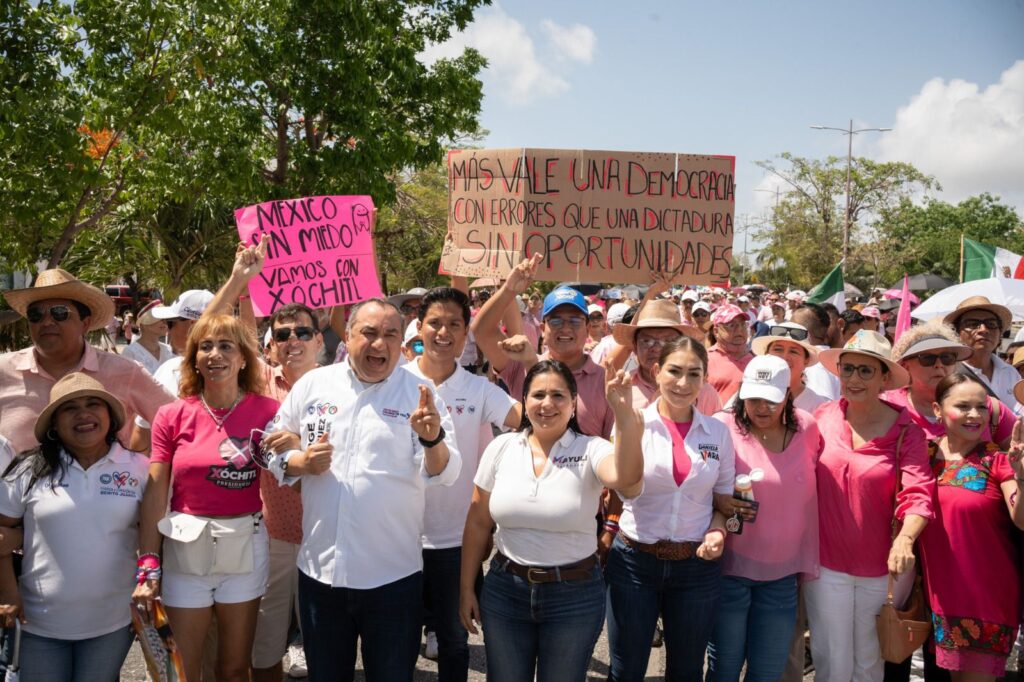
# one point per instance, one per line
(219, 421)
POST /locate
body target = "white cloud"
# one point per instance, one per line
(575, 43)
(971, 139)
(517, 71)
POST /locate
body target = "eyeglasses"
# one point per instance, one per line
(928, 359)
(865, 372)
(649, 343)
(407, 308)
(559, 322)
(301, 333)
(700, 313)
(58, 313)
(991, 323)
(797, 334)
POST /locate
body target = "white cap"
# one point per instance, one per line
(702, 305)
(411, 332)
(796, 295)
(766, 377)
(594, 308)
(744, 299)
(617, 312)
(189, 306)
(689, 295)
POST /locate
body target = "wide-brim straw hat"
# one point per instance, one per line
(58, 283)
(77, 385)
(979, 303)
(870, 344)
(657, 314)
(1018, 391)
(760, 345)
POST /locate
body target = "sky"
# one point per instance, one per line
(748, 79)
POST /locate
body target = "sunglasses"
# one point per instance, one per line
(700, 313)
(559, 322)
(992, 323)
(301, 333)
(846, 370)
(59, 313)
(928, 359)
(797, 334)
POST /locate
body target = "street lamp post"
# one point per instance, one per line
(849, 132)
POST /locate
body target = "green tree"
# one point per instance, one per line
(806, 230)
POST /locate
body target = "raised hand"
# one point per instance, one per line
(249, 259)
(1016, 449)
(521, 276)
(425, 420)
(519, 349)
(660, 283)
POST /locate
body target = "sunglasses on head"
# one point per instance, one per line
(59, 313)
(928, 359)
(301, 333)
(846, 370)
(797, 334)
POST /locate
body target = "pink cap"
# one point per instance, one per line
(871, 311)
(726, 314)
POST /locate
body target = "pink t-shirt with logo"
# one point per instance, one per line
(214, 474)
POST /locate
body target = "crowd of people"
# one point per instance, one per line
(534, 465)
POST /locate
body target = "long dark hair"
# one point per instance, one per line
(553, 367)
(44, 461)
(739, 412)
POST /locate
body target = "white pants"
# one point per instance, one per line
(841, 612)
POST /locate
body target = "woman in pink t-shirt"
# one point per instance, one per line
(215, 555)
(871, 448)
(968, 552)
(930, 353)
(776, 447)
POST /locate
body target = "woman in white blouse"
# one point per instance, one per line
(542, 606)
(663, 561)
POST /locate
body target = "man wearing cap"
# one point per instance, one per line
(793, 300)
(686, 302)
(60, 310)
(180, 316)
(729, 356)
(616, 312)
(872, 317)
(815, 320)
(408, 303)
(147, 349)
(565, 335)
(980, 324)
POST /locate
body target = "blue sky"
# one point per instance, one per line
(749, 78)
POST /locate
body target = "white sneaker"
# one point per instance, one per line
(430, 650)
(297, 662)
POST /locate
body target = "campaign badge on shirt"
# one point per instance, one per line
(570, 461)
(708, 451)
(238, 472)
(119, 484)
(461, 407)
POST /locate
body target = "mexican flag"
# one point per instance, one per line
(832, 289)
(981, 261)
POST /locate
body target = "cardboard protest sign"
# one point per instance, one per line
(597, 216)
(320, 251)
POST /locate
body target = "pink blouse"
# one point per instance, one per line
(856, 487)
(784, 538)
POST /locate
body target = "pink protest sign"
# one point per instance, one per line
(319, 253)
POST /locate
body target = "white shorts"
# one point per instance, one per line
(185, 591)
(277, 606)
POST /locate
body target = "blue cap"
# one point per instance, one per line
(564, 296)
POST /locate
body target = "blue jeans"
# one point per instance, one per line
(441, 569)
(642, 586)
(386, 619)
(755, 623)
(551, 627)
(97, 659)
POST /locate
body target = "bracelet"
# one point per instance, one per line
(717, 530)
(148, 560)
(144, 574)
(432, 443)
(611, 527)
(612, 518)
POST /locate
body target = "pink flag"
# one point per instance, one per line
(903, 317)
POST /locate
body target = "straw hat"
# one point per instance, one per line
(872, 345)
(1018, 391)
(657, 314)
(77, 385)
(979, 303)
(760, 345)
(59, 283)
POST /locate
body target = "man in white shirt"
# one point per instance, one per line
(474, 406)
(375, 439)
(814, 319)
(980, 324)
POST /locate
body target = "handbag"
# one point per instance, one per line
(201, 545)
(902, 631)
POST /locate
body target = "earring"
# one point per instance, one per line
(51, 433)
(243, 365)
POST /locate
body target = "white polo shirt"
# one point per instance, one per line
(135, 351)
(680, 513)
(80, 543)
(363, 518)
(545, 520)
(474, 405)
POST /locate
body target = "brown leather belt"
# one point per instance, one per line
(581, 570)
(664, 549)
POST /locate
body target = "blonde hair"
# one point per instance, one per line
(250, 378)
(920, 332)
